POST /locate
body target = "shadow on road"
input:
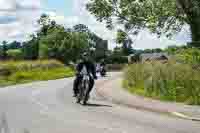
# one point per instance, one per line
(97, 105)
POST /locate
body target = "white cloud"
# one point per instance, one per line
(30, 3)
(25, 12)
(7, 4)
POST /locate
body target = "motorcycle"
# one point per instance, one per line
(103, 71)
(83, 87)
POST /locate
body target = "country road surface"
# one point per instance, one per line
(48, 107)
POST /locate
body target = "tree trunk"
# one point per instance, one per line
(195, 28)
(192, 9)
(195, 31)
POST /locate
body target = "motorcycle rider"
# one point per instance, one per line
(103, 67)
(90, 67)
(103, 63)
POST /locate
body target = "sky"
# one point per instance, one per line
(18, 19)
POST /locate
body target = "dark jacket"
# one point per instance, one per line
(89, 66)
(103, 64)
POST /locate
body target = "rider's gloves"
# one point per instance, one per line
(95, 77)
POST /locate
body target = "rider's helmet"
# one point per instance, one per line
(85, 56)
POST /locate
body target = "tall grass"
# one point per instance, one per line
(171, 81)
(13, 66)
(12, 72)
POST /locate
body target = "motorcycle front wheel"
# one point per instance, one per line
(86, 94)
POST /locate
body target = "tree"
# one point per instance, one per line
(31, 48)
(163, 17)
(116, 57)
(121, 36)
(94, 40)
(127, 47)
(81, 28)
(44, 22)
(157, 50)
(147, 51)
(63, 45)
(4, 50)
(124, 39)
(14, 45)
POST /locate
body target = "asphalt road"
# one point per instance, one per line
(48, 107)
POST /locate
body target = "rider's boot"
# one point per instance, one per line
(74, 95)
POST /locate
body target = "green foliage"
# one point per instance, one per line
(190, 55)
(81, 28)
(171, 81)
(13, 72)
(136, 15)
(59, 43)
(156, 50)
(54, 41)
(14, 66)
(121, 36)
(184, 54)
(115, 67)
(38, 75)
(14, 45)
(62, 45)
(4, 50)
(125, 40)
(163, 17)
(116, 59)
(30, 48)
(15, 54)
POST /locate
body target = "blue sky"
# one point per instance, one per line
(62, 6)
(18, 20)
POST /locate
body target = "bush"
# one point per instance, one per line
(189, 56)
(115, 67)
(5, 71)
(15, 54)
(115, 59)
(171, 81)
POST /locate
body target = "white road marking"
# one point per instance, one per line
(180, 115)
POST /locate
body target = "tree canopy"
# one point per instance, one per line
(163, 17)
(52, 40)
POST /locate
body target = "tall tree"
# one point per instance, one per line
(44, 22)
(14, 45)
(63, 45)
(4, 50)
(31, 48)
(81, 28)
(124, 39)
(163, 17)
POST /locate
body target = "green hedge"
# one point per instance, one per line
(114, 59)
(115, 67)
(189, 56)
(171, 81)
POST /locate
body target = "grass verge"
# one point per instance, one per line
(166, 82)
(38, 71)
